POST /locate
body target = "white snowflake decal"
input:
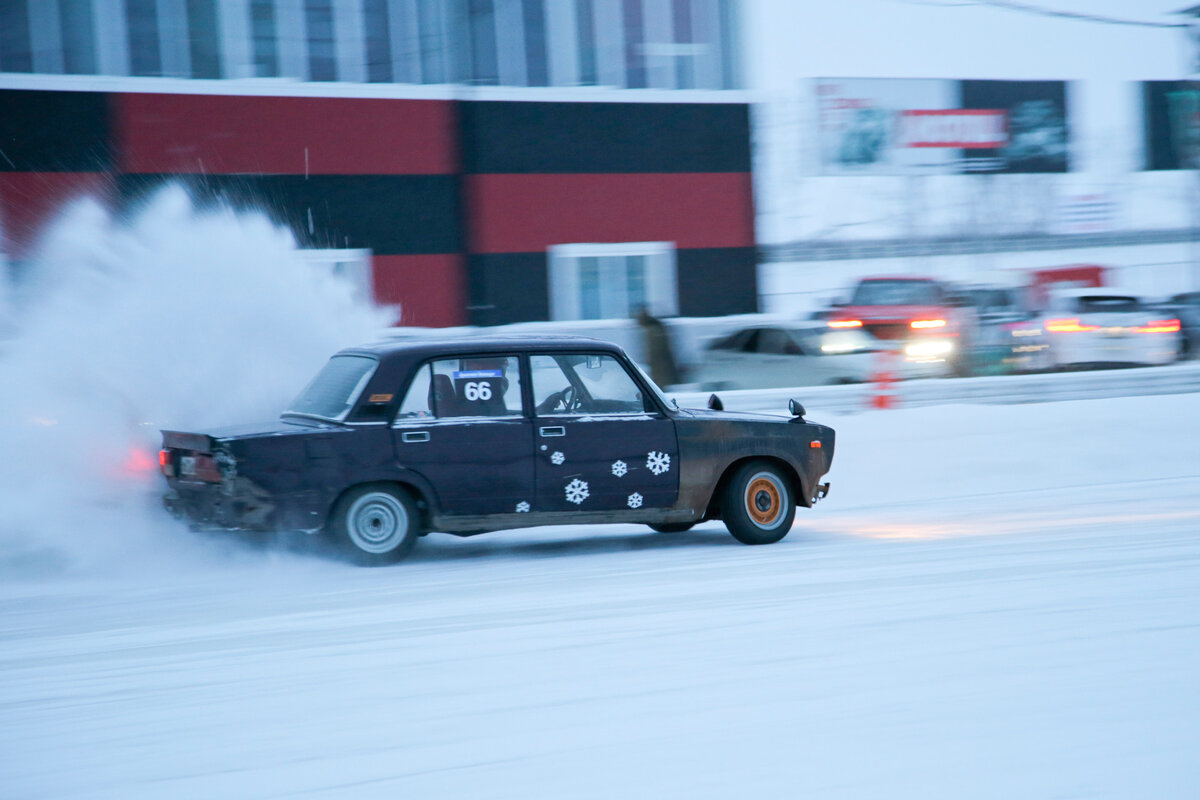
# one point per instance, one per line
(635, 500)
(657, 462)
(522, 507)
(557, 457)
(577, 491)
(619, 468)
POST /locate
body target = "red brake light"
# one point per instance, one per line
(846, 323)
(164, 462)
(1068, 326)
(927, 323)
(1160, 326)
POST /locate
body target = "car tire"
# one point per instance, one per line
(757, 505)
(375, 524)
(672, 527)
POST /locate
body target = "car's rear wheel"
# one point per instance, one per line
(376, 524)
(758, 507)
(672, 527)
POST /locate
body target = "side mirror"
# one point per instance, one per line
(796, 408)
(715, 403)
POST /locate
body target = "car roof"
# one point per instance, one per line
(1093, 291)
(429, 346)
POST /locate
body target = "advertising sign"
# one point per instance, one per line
(890, 127)
(1172, 124)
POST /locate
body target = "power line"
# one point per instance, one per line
(1012, 5)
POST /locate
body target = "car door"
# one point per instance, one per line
(601, 442)
(463, 428)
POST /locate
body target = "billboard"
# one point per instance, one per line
(886, 126)
(1172, 124)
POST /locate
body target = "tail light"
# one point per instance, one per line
(164, 462)
(846, 323)
(918, 324)
(1160, 326)
(1068, 326)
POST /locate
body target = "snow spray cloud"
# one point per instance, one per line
(179, 317)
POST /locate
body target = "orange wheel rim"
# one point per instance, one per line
(763, 502)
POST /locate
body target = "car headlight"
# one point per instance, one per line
(836, 342)
(935, 348)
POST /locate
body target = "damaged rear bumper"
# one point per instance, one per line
(236, 505)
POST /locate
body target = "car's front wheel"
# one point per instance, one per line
(758, 507)
(376, 524)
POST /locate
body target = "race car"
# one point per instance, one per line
(393, 440)
(1097, 326)
(916, 316)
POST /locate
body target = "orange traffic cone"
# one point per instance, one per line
(882, 380)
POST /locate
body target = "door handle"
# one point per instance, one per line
(553, 430)
(415, 436)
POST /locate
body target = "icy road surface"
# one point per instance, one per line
(995, 602)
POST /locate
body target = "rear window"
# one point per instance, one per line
(1106, 302)
(896, 293)
(332, 393)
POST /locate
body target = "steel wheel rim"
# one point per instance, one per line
(764, 499)
(377, 523)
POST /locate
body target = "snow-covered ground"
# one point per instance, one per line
(994, 602)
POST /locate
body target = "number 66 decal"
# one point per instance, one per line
(477, 390)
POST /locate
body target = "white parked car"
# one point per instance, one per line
(1103, 326)
(766, 357)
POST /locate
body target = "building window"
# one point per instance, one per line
(379, 41)
(145, 52)
(482, 21)
(433, 41)
(318, 20)
(685, 67)
(204, 38)
(585, 22)
(16, 47)
(635, 43)
(264, 37)
(537, 68)
(612, 281)
(351, 265)
(78, 36)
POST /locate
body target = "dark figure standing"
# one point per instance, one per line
(659, 357)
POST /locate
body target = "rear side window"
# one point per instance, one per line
(332, 393)
(484, 386)
(1104, 302)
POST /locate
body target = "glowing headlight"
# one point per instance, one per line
(931, 349)
(836, 342)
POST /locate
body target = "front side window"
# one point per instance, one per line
(334, 391)
(587, 384)
(477, 386)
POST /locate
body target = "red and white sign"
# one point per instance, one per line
(963, 128)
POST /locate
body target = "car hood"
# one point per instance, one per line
(741, 416)
(891, 313)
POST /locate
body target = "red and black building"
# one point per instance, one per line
(457, 199)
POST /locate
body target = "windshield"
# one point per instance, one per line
(332, 393)
(896, 293)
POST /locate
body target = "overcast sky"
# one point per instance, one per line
(787, 40)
